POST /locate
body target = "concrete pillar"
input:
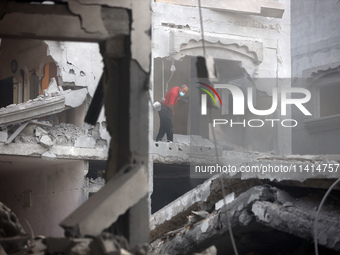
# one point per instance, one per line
(126, 104)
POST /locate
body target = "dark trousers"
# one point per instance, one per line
(165, 117)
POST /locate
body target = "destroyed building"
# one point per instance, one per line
(251, 49)
(46, 87)
(254, 45)
(53, 57)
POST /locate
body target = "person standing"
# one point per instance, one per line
(167, 110)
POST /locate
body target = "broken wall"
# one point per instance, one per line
(258, 44)
(41, 192)
(80, 64)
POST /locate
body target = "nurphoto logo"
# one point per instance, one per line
(238, 99)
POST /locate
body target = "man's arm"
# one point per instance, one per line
(171, 107)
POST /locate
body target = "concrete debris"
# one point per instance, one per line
(3, 136)
(39, 132)
(226, 200)
(108, 244)
(47, 104)
(46, 141)
(93, 186)
(52, 87)
(258, 217)
(12, 235)
(183, 150)
(105, 243)
(48, 155)
(114, 199)
(85, 142)
(195, 217)
(16, 133)
(215, 226)
(210, 251)
(283, 197)
(76, 98)
(80, 247)
(9, 223)
(203, 197)
(64, 134)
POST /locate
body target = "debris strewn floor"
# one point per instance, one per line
(262, 218)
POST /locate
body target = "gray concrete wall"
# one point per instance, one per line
(56, 190)
(315, 50)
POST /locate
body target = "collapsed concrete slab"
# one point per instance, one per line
(207, 160)
(298, 219)
(183, 150)
(258, 217)
(215, 226)
(114, 199)
(60, 151)
(40, 107)
(203, 197)
(62, 140)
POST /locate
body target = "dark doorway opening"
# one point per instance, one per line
(6, 92)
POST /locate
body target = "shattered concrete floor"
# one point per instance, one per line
(266, 218)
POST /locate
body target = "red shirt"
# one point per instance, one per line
(172, 96)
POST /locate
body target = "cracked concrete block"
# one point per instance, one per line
(85, 142)
(107, 244)
(75, 98)
(3, 136)
(40, 132)
(123, 191)
(299, 221)
(283, 197)
(80, 246)
(46, 141)
(49, 155)
(52, 87)
(245, 218)
(228, 199)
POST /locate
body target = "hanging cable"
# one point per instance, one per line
(215, 143)
(201, 21)
(317, 216)
(172, 69)
(163, 76)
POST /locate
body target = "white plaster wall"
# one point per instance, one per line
(315, 47)
(241, 29)
(80, 63)
(315, 35)
(56, 191)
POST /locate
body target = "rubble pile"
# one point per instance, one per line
(13, 240)
(12, 235)
(65, 134)
(264, 218)
(57, 91)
